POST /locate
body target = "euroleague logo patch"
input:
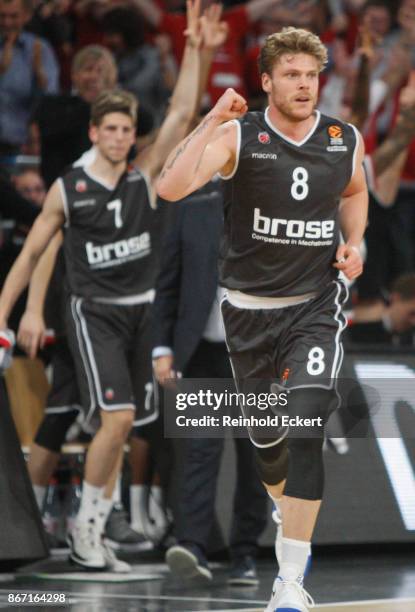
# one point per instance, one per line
(264, 138)
(335, 133)
(81, 186)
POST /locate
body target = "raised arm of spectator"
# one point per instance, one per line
(31, 333)
(184, 99)
(361, 98)
(389, 158)
(45, 227)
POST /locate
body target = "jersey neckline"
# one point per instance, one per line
(97, 179)
(287, 138)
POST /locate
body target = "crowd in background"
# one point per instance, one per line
(56, 56)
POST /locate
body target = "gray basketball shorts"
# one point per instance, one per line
(289, 348)
(111, 347)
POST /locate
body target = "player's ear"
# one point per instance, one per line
(266, 82)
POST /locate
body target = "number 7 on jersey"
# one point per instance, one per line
(115, 205)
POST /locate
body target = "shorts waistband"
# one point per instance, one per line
(129, 300)
(253, 302)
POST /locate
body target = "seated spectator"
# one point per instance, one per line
(387, 323)
(62, 121)
(139, 67)
(28, 68)
(31, 186)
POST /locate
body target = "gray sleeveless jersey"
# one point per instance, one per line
(281, 207)
(109, 237)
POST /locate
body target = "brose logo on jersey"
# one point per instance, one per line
(116, 253)
(292, 228)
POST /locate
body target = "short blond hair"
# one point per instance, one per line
(291, 41)
(114, 101)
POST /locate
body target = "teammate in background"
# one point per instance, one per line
(110, 242)
(295, 179)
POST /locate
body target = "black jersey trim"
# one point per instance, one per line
(227, 177)
(287, 138)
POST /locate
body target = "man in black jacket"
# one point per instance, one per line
(189, 338)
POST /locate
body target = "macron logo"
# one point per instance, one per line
(264, 156)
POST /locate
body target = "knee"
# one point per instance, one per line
(306, 469)
(118, 424)
(272, 463)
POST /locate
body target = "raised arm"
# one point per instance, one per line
(390, 157)
(209, 149)
(184, 99)
(45, 227)
(353, 219)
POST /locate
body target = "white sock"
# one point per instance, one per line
(91, 496)
(295, 554)
(277, 503)
(40, 493)
(138, 506)
(104, 508)
(116, 494)
(155, 507)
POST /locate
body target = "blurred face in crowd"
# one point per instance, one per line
(402, 313)
(377, 20)
(31, 186)
(293, 86)
(93, 77)
(114, 136)
(13, 17)
(115, 42)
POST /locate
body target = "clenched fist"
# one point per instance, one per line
(230, 106)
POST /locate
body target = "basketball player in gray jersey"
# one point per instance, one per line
(110, 223)
(294, 179)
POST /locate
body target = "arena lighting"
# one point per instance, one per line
(395, 382)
